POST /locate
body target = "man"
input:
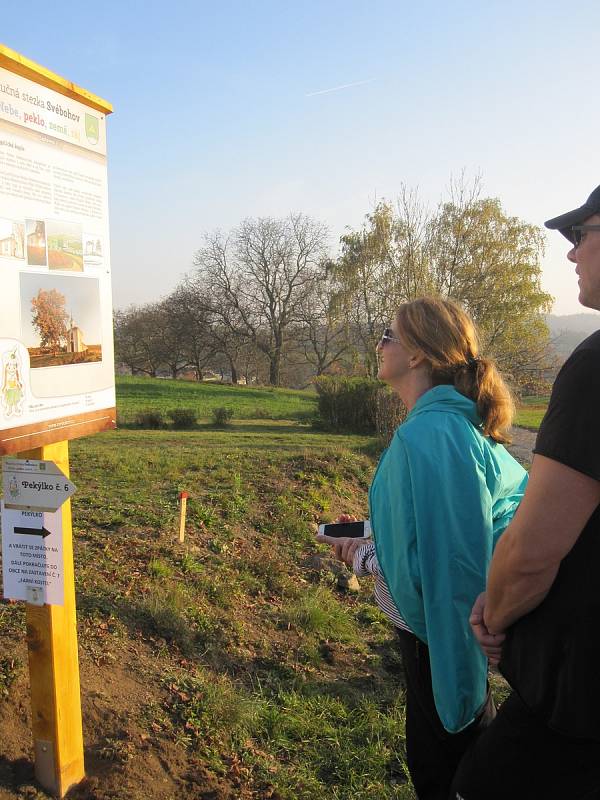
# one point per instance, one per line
(541, 613)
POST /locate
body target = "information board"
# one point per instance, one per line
(56, 347)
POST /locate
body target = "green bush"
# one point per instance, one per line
(390, 411)
(347, 403)
(183, 418)
(149, 419)
(222, 416)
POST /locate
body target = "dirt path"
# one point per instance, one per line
(522, 444)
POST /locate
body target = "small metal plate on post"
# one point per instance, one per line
(35, 595)
(45, 770)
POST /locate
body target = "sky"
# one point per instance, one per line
(222, 111)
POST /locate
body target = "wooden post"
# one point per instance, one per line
(54, 666)
(183, 496)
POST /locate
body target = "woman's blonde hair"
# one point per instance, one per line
(447, 337)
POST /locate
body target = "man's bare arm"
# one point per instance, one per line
(557, 504)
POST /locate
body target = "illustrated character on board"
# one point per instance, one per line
(13, 391)
(13, 488)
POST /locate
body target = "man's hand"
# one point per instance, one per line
(490, 643)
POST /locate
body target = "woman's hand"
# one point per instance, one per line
(346, 518)
(344, 547)
(490, 643)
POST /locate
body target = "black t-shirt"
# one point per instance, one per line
(551, 656)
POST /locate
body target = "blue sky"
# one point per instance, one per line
(217, 117)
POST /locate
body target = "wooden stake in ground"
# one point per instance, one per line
(54, 666)
(183, 497)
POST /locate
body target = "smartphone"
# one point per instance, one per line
(355, 530)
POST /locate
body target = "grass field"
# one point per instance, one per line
(231, 666)
(247, 402)
(531, 411)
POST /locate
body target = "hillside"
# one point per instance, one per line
(231, 666)
(570, 330)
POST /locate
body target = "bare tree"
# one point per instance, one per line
(138, 339)
(190, 315)
(169, 334)
(259, 275)
(320, 334)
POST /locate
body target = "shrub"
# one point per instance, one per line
(347, 403)
(306, 417)
(149, 419)
(183, 418)
(222, 416)
(390, 411)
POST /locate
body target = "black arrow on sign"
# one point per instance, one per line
(34, 531)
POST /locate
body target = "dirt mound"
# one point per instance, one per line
(123, 761)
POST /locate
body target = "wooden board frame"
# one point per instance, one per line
(19, 64)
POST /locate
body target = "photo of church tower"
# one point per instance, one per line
(75, 343)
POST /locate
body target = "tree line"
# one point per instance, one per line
(266, 301)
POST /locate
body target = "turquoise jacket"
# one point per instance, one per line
(440, 498)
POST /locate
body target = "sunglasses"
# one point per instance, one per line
(388, 336)
(579, 231)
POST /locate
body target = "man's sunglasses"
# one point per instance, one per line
(578, 232)
(388, 336)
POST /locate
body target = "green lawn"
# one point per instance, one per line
(136, 394)
(531, 411)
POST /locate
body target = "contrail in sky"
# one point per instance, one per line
(337, 88)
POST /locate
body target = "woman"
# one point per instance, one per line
(442, 494)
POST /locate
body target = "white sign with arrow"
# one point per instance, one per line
(30, 484)
(32, 556)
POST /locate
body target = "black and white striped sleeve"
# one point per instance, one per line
(367, 563)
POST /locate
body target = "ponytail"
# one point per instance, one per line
(481, 381)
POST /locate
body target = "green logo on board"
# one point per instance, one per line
(92, 128)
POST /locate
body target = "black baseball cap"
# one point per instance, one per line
(565, 222)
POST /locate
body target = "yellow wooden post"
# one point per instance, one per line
(54, 666)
